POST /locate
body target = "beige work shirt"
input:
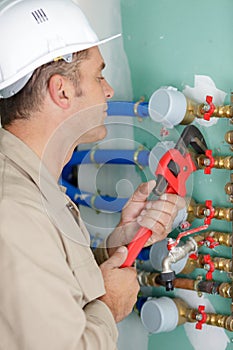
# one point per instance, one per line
(49, 279)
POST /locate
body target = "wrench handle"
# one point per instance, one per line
(136, 245)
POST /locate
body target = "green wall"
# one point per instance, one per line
(167, 42)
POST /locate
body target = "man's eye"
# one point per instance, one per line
(100, 78)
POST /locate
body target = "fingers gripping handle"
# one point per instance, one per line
(136, 245)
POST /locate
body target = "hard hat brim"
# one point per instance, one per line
(27, 71)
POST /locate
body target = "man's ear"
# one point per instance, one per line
(61, 90)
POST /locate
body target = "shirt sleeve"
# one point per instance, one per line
(41, 301)
(101, 252)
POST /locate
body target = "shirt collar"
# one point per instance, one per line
(53, 197)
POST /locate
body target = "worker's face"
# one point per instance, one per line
(92, 104)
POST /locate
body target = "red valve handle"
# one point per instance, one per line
(208, 114)
(207, 260)
(208, 168)
(210, 216)
(193, 256)
(207, 222)
(203, 316)
(209, 242)
(173, 244)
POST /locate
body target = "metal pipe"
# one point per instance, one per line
(167, 275)
(97, 202)
(151, 279)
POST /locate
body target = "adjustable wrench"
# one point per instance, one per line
(172, 172)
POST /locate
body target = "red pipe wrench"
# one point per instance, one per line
(172, 172)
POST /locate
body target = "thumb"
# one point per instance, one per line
(117, 259)
(143, 191)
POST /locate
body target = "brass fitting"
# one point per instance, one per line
(187, 314)
(222, 264)
(223, 111)
(198, 210)
(182, 309)
(190, 266)
(147, 278)
(217, 320)
(223, 238)
(229, 188)
(229, 137)
(220, 162)
(225, 290)
(195, 110)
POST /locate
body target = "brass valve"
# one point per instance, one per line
(187, 314)
(223, 238)
(222, 264)
(195, 110)
(220, 162)
(199, 210)
(219, 263)
(223, 321)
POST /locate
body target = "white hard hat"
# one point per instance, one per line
(35, 32)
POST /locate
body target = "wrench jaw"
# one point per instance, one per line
(177, 164)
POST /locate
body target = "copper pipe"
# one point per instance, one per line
(211, 287)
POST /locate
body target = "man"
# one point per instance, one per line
(53, 295)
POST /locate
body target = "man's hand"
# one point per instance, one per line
(121, 285)
(158, 216)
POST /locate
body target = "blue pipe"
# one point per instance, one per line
(102, 203)
(109, 156)
(106, 156)
(125, 108)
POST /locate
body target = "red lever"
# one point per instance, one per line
(209, 217)
(173, 244)
(211, 268)
(209, 242)
(208, 168)
(211, 108)
(201, 316)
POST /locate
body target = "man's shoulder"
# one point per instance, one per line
(15, 187)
